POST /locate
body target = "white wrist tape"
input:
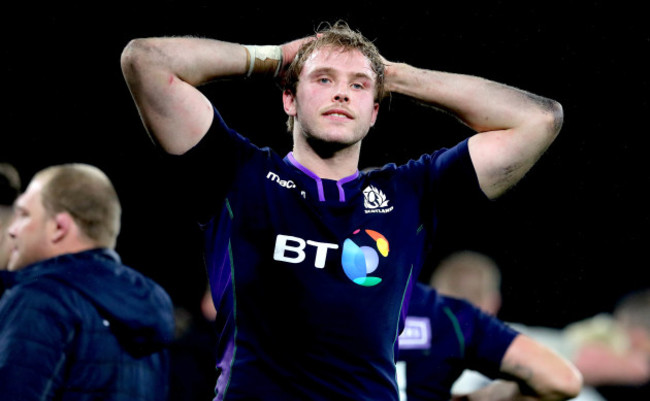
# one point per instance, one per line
(266, 60)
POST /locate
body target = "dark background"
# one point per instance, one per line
(571, 238)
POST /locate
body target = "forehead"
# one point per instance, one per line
(31, 197)
(350, 61)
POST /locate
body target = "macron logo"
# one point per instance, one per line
(283, 183)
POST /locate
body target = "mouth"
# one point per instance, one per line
(339, 113)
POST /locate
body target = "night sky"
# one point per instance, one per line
(571, 238)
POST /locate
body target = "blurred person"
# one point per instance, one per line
(476, 277)
(310, 260)
(470, 275)
(445, 335)
(77, 324)
(193, 355)
(9, 190)
(612, 350)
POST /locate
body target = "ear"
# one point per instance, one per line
(63, 226)
(375, 112)
(289, 102)
(496, 304)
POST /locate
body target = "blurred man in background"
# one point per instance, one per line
(9, 190)
(77, 324)
(445, 335)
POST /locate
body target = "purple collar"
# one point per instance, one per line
(319, 181)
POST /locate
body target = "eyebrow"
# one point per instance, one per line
(332, 71)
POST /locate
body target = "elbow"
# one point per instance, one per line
(567, 385)
(572, 384)
(129, 53)
(557, 116)
(552, 116)
(134, 55)
(129, 57)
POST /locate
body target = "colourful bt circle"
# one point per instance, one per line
(360, 261)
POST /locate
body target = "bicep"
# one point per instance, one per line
(501, 158)
(517, 362)
(175, 114)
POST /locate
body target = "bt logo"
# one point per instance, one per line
(358, 261)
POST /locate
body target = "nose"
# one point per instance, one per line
(11, 230)
(341, 95)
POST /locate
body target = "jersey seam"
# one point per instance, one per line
(457, 330)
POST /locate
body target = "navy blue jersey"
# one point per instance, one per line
(444, 336)
(310, 276)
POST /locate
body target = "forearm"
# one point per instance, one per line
(481, 104)
(498, 390)
(602, 365)
(540, 371)
(193, 60)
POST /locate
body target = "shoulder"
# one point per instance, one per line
(442, 157)
(39, 312)
(38, 296)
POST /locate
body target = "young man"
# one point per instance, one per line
(76, 323)
(309, 260)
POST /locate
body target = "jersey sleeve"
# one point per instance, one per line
(488, 340)
(452, 180)
(448, 187)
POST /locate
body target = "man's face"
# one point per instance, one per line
(5, 243)
(335, 97)
(30, 230)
